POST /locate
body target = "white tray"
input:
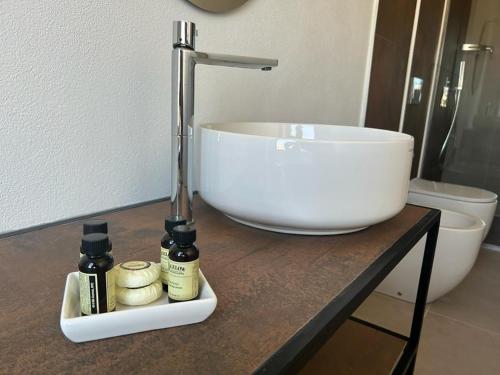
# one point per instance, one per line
(131, 319)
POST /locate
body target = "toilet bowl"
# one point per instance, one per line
(465, 199)
(458, 244)
(466, 216)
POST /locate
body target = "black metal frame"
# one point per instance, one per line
(292, 356)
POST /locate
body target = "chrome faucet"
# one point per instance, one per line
(184, 60)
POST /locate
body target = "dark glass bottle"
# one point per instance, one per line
(96, 226)
(166, 243)
(184, 265)
(97, 281)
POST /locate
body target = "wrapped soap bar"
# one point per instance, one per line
(139, 296)
(137, 282)
(136, 274)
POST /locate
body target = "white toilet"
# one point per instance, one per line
(466, 216)
(465, 199)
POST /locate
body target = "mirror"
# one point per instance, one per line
(218, 6)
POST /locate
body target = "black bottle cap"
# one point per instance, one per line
(95, 226)
(95, 244)
(172, 221)
(184, 234)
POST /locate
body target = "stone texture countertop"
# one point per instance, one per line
(268, 285)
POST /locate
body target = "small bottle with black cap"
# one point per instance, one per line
(184, 264)
(97, 280)
(166, 243)
(96, 226)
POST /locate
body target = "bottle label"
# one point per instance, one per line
(183, 280)
(110, 290)
(164, 265)
(89, 292)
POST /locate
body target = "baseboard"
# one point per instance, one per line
(489, 246)
(75, 218)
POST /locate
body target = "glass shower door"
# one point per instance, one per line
(472, 154)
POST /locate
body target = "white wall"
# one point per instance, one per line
(85, 91)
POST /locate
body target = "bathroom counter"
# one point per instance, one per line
(279, 296)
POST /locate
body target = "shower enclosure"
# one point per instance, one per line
(464, 143)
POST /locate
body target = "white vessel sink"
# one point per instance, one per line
(302, 178)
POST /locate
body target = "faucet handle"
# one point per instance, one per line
(184, 34)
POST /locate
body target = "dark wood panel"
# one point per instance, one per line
(269, 285)
(458, 19)
(389, 63)
(426, 43)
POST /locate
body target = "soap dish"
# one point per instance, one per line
(131, 319)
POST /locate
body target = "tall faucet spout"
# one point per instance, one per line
(235, 61)
(184, 60)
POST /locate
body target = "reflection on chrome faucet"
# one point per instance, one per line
(184, 60)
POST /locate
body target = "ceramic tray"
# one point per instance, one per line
(131, 319)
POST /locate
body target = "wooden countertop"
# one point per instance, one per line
(269, 285)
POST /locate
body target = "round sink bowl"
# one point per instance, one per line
(304, 178)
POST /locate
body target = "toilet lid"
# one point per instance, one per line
(451, 191)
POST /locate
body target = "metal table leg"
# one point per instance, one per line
(406, 364)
